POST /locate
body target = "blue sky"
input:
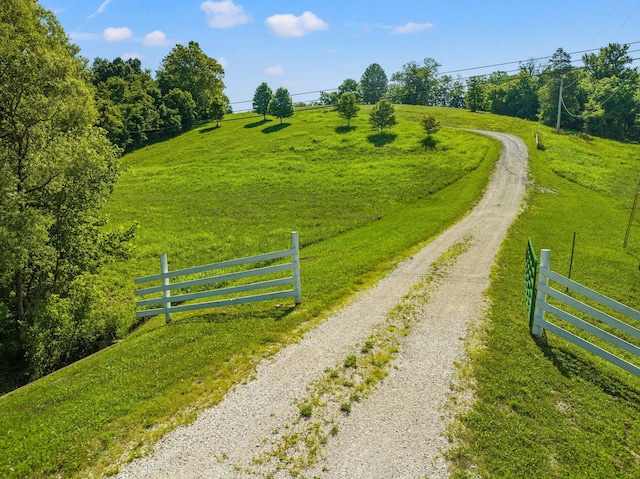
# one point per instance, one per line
(308, 46)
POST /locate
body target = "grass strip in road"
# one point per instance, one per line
(298, 445)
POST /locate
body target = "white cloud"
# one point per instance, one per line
(224, 14)
(112, 34)
(223, 62)
(156, 38)
(288, 25)
(130, 56)
(276, 70)
(100, 8)
(411, 27)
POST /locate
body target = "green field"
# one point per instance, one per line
(360, 202)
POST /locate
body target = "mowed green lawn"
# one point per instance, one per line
(360, 202)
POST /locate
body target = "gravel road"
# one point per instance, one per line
(394, 432)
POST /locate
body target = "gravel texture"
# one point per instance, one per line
(397, 430)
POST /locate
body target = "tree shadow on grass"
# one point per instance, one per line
(275, 128)
(256, 124)
(344, 129)
(381, 139)
(430, 143)
(211, 128)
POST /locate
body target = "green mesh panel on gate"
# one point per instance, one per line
(530, 276)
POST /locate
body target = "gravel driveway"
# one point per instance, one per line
(395, 431)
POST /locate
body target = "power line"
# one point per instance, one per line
(459, 71)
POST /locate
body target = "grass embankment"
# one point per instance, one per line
(359, 201)
(556, 411)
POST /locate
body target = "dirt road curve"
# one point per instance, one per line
(396, 432)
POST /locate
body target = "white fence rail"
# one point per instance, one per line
(165, 276)
(540, 324)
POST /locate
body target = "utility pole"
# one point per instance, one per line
(633, 212)
(559, 106)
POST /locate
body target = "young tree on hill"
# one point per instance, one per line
(281, 105)
(261, 99)
(218, 108)
(373, 84)
(348, 106)
(57, 171)
(382, 116)
(189, 69)
(430, 124)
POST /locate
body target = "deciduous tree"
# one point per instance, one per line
(218, 108)
(430, 124)
(349, 85)
(415, 84)
(281, 105)
(127, 99)
(475, 96)
(373, 84)
(261, 99)
(57, 170)
(382, 116)
(347, 106)
(190, 69)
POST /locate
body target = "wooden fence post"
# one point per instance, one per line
(166, 294)
(295, 259)
(541, 298)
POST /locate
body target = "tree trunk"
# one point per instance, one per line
(19, 287)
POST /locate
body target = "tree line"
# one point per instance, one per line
(600, 98)
(64, 124)
(132, 105)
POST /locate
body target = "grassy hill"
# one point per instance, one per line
(360, 202)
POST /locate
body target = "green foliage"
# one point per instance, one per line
(349, 86)
(261, 99)
(347, 106)
(373, 84)
(306, 409)
(57, 172)
(350, 361)
(516, 97)
(475, 96)
(450, 92)
(218, 108)
(382, 116)
(127, 100)
(178, 110)
(612, 108)
(191, 70)
(610, 61)
(557, 73)
(281, 105)
(364, 216)
(415, 84)
(601, 98)
(430, 124)
(328, 98)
